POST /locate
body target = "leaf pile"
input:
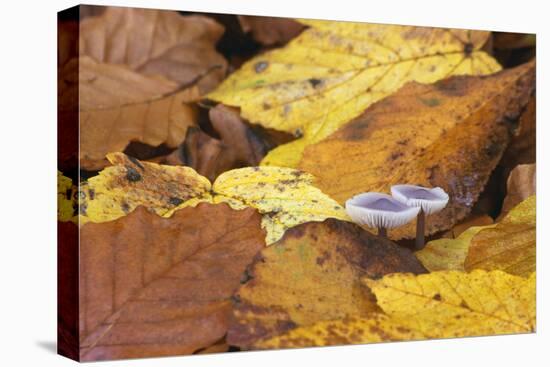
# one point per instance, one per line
(216, 153)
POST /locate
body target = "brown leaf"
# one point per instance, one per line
(156, 42)
(450, 134)
(138, 72)
(118, 105)
(313, 273)
(153, 286)
(521, 184)
(239, 145)
(270, 31)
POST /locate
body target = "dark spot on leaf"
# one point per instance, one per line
(175, 201)
(437, 297)
(91, 192)
(430, 102)
(125, 207)
(315, 82)
(261, 66)
(266, 106)
(396, 155)
(132, 174)
(468, 48)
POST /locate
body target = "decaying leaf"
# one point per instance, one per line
(522, 183)
(437, 305)
(238, 146)
(66, 202)
(449, 134)
(138, 72)
(152, 286)
(270, 31)
(286, 197)
(373, 328)
(156, 42)
(313, 273)
(509, 245)
(333, 71)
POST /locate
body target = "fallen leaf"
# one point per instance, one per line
(118, 105)
(138, 72)
(313, 273)
(521, 183)
(285, 197)
(270, 31)
(238, 146)
(448, 253)
(437, 305)
(66, 201)
(374, 328)
(333, 71)
(153, 286)
(509, 245)
(156, 42)
(449, 134)
(472, 221)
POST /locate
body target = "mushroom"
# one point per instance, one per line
(429, 201)
(379, 211)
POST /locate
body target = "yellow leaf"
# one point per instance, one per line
(373, 329)
(455, 304)
(66, 202)
(438, 305)
(312, 274)
(448, 253)
(333, 71)
(285, 197)
(509, 245)
(448, 134)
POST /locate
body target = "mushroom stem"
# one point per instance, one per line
(420, 228)
(382, 232)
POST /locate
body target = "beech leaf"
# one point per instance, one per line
(153, 286)
(333, 71)
(137, 73)
(437, 305)
(509, 245)
(450, 134)
(286, 197)
(313, 273)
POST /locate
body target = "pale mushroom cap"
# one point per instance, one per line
(379, 210)
(431, 200)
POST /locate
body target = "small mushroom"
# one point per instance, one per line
(379, 211)
(429, 201)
